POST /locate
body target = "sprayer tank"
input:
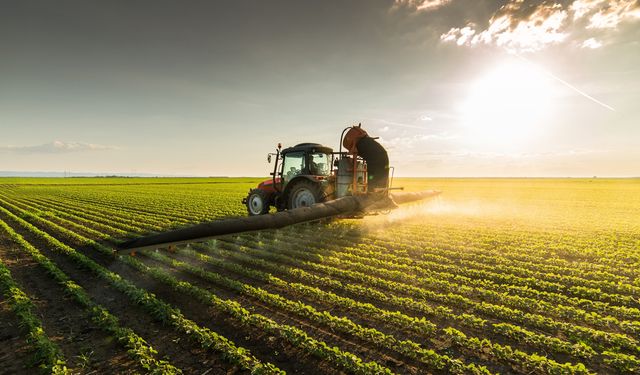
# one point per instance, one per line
(345, 177)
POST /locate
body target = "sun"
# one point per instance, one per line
(507, 106)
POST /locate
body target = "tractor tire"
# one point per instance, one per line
(304, 194)
(257, 202)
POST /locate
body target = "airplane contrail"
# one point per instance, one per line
(565, 83)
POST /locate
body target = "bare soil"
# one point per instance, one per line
(15, 354)
(176, 347)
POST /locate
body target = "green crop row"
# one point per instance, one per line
(158, 309)
(266, 277)
(516, 333)
(86, 228)
(432, 260)
(449, 283)
(98, 216)
(533, 282)
(136, 346)
(525, 247)
(297, 337)
(505, 282)
(523, 362)
(498, 311)
(47, 355)
(616, 291)
(75, 215)
(340, 324)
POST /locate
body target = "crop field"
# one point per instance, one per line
(527, 276)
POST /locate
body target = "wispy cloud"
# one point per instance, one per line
(412, 121)
(388, 123)
(422, 5)
(525, 26)
(56, 147)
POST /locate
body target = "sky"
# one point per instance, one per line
(461, 88)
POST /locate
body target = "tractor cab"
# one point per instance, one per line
(301, 177)
(305, 159)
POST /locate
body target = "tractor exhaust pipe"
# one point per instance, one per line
(204, 231)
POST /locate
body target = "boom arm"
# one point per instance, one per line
(204, 231)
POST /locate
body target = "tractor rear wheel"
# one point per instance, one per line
(257, 202)
(304, 194)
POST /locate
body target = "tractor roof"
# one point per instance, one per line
(308, 147)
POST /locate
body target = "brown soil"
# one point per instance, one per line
(15, 354)
(179, 349)
(85, 347)
(261, 344)
(345, 342)
(183, 352)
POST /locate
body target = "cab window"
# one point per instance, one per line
(293, 165)
(319, 164)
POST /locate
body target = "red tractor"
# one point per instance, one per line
(310, 173)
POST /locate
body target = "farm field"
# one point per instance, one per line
(526, 276)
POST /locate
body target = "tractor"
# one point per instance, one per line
(310, 173)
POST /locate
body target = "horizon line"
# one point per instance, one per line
(39, 174)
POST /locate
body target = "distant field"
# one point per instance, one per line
(495, 276)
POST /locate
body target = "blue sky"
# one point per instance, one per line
(453, 88)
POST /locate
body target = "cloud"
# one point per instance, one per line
(416, 121)
(591, 43)
(422, 5)
(528, 25)
(56, 147)
(604, 14)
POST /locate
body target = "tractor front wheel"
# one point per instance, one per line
(304, 194)
(257, 202)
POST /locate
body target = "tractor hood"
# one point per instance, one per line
(267, 185)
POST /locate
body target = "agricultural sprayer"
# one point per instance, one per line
(309, 182)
